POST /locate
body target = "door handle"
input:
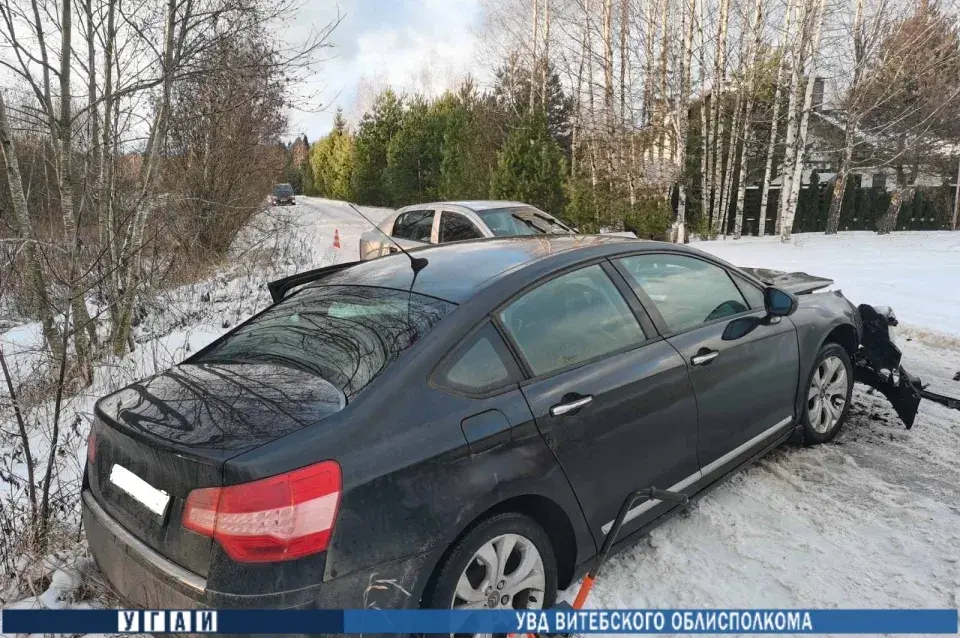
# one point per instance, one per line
(570, 406)
(392, 249)
(704, 357)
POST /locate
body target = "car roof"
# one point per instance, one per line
(458, 270)
(479, 204)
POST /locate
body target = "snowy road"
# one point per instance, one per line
(871, 520)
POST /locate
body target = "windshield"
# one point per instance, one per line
(347, 335)
(283, 189)
(520, 220)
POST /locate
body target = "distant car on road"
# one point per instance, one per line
(443, 222)
(282, 194)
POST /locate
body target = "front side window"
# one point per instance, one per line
(687, 292)
(347, 335)
(415, 225)
(456, 227)
(571, 319)
(751, 293)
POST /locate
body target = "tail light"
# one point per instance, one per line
(92, 446)
(274, 519)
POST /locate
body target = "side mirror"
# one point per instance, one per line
(779, 303)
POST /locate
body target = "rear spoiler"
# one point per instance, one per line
(799, 283)
(279, 288)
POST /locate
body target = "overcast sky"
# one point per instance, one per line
(420, 45)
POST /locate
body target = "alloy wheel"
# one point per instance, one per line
(505, 573)
(827, 395)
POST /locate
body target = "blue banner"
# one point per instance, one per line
(553, 621)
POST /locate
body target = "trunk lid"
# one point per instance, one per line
(799, 283)
(173, 432)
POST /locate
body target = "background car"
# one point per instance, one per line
(459, 435)
(282, 194)
(442, 222)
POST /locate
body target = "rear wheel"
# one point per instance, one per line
(827, 395)
(505, 562)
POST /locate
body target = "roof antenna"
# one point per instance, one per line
(416, 263)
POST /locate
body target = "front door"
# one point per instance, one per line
(745, 380)
(611, 399)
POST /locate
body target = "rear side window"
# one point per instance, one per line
(347, 335)
(456, 227)
(415, 225)
(687, 292)
(571, 319)
(480, 366)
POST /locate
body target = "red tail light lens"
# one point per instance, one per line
(274, 519)
(92, 447)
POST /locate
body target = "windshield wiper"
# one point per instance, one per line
(532, 223)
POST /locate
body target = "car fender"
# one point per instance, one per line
(518, 492)
(817, 316)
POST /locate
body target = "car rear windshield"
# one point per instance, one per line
(520, 220)
(283, 189)
(347, 335)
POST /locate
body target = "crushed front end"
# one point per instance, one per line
(877, 364)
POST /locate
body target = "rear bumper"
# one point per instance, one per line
(141, 577)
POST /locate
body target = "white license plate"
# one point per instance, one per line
(150, 497)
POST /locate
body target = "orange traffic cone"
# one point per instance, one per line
(336, 238)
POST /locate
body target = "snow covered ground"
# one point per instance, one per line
(871, 520)
(916, 273)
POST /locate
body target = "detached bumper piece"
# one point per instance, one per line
(877, 364)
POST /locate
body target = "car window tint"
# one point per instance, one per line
(687, 291)
(456, 227)
(751, 292)
(569, 319)
(480, 365)
(414, 225)
(347, 335)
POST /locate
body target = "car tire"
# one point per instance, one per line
(827, 393)
(513, 536)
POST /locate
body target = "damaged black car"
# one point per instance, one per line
(457, 426)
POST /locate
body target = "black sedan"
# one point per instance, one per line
(454, 428)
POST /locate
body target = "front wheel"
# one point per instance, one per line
(827, 395)
(505, 562)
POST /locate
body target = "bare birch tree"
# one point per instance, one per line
(757, 30)
(688, 18)
(779, 80)
(790, 212)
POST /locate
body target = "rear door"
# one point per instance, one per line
(745, 383)
(611, 399)
(413, 228)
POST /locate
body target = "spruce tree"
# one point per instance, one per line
(377, 129)
(530, 167)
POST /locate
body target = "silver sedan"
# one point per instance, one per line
(443, 222)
